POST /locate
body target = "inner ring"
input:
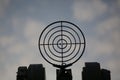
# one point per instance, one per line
(62, 43)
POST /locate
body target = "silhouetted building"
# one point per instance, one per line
(34, 72)
(22, 73)
(105, 74)
(92, 71)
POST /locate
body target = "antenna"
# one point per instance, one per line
(61, 44)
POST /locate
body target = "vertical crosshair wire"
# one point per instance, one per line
(62, 42)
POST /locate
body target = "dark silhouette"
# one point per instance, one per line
(92, 71)
(64, 74)
(22, 73)
(34, 72)
(105, 74)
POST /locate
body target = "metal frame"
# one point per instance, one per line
(61, 43)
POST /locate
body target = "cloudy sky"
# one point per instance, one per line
(21, 22)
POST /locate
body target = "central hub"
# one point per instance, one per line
(62, 43)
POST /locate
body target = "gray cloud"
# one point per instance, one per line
(85, 10)
(3, 5)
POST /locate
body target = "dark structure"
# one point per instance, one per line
(105, 74)
(92, 71)
(22, 73)
(65, 74)
(34, 72)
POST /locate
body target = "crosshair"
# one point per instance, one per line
(62, 43)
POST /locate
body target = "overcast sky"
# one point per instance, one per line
(21, 22)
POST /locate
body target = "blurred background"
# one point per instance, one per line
(21, 22)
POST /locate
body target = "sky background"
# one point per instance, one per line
(21, 22)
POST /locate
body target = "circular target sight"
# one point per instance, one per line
(62, 43)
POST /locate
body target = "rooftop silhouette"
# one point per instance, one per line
(92, 71)
(33, 72)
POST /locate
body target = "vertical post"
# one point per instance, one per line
(64, 74)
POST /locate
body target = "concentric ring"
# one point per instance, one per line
(61, 42)
(64, 48)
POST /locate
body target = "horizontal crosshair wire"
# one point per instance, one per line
(62, 44)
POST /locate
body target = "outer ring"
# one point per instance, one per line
(68, 23)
